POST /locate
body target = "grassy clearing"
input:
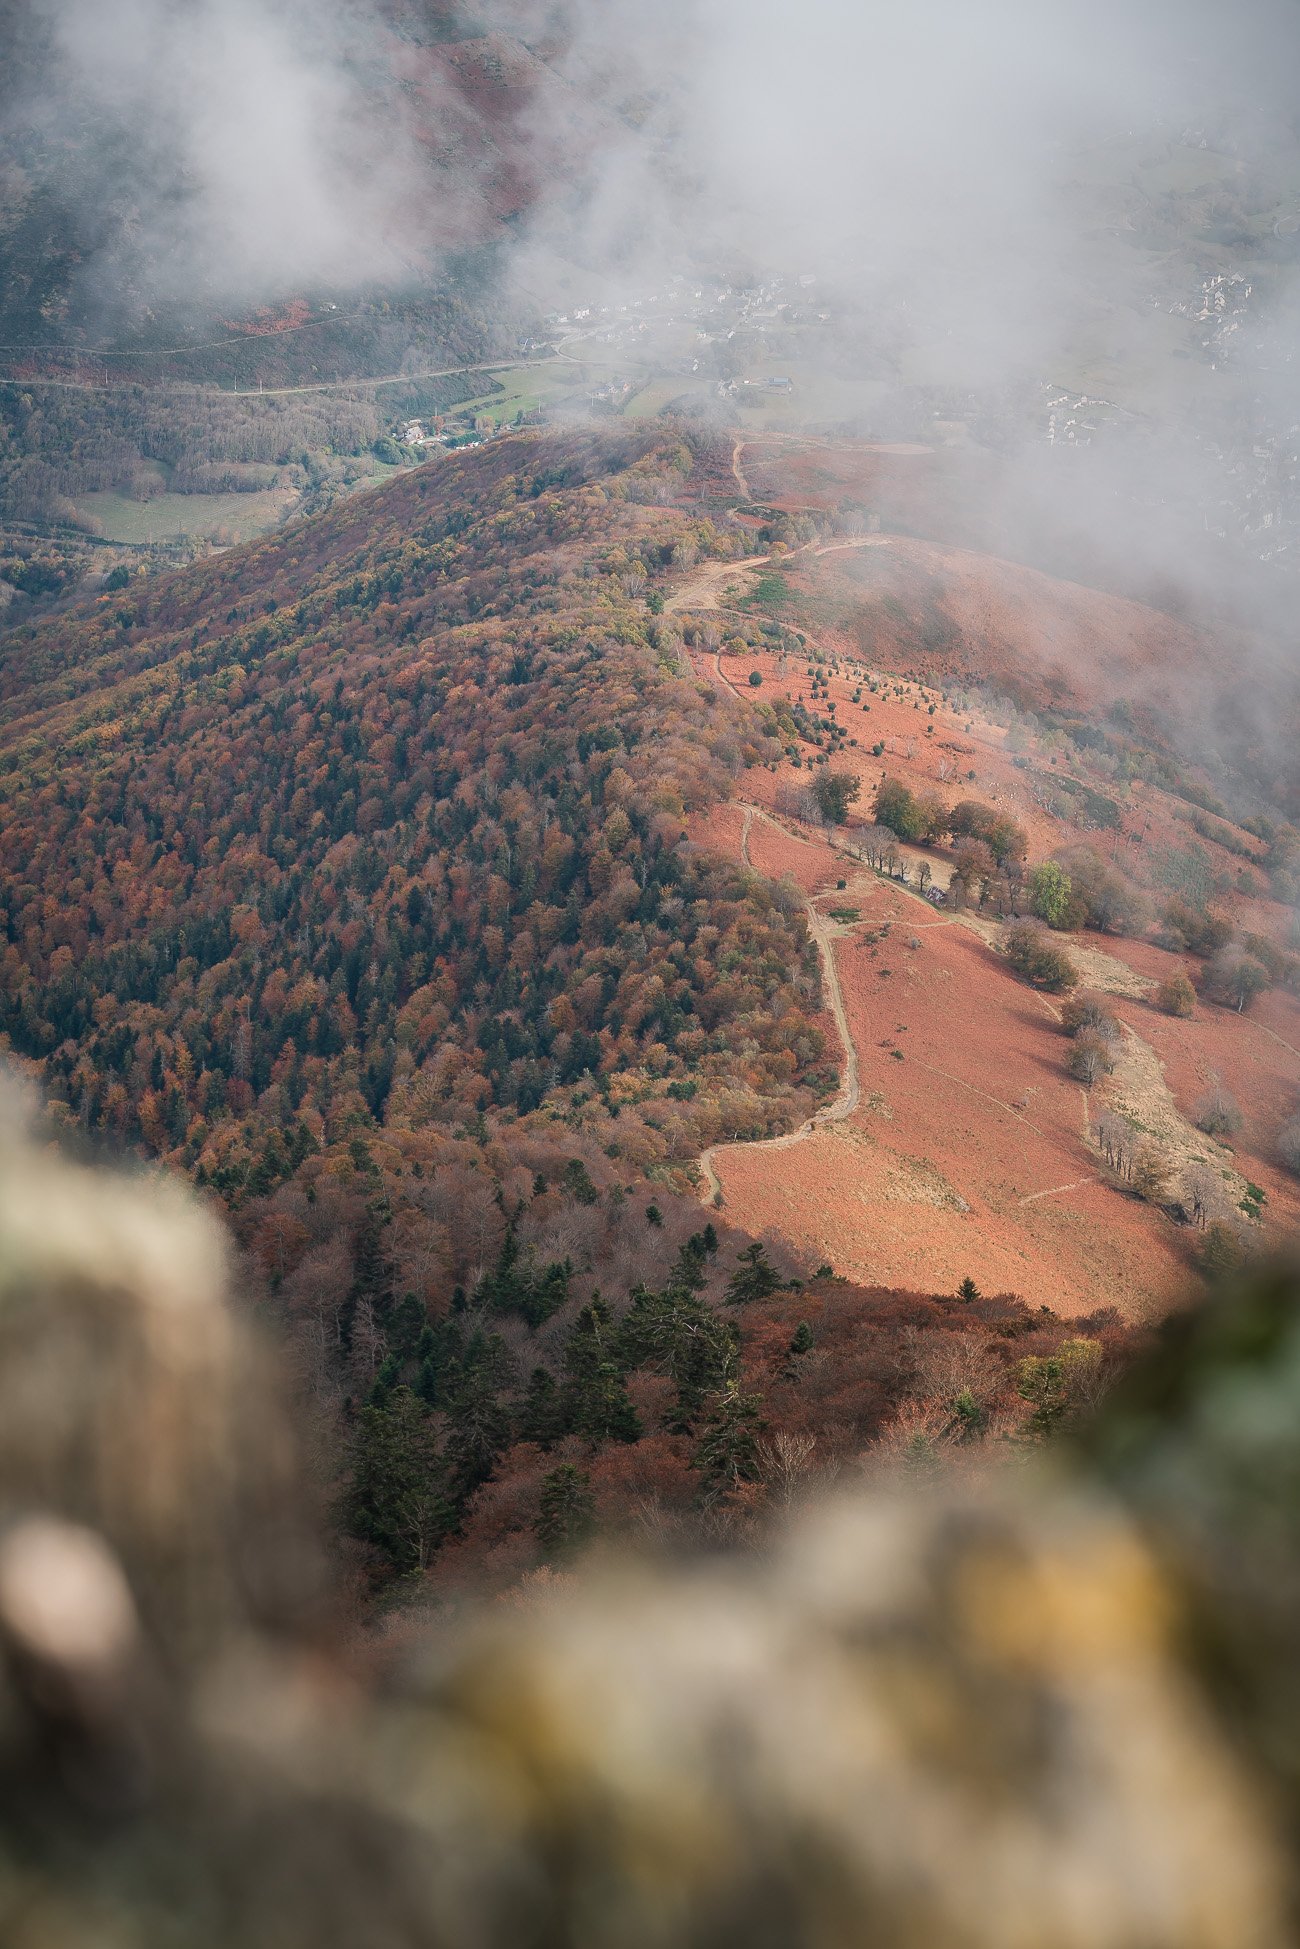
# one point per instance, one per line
(770, 592)
(817, 397)
(1141, 1095)
(520, 390)
(205, 517)
(661, 393)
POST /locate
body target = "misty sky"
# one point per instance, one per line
(928, 143)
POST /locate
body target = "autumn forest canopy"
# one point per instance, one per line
(347, 874)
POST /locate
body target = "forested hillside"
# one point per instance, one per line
(388, 813)
(57, 443)
(348, 874)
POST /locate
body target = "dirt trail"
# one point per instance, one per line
(1055, 1190)
(825, 932)
(1273, 1036)
(738, 471)
(703, 588)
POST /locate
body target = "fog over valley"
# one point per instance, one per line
(1075, 227)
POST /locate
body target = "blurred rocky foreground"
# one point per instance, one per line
(1062, 1711)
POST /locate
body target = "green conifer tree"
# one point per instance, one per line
(566, 1510)
(728, 1448)
(395, 1498)
(754, 1278)
(596, 1396)
(478, 1417)
(542, 1415)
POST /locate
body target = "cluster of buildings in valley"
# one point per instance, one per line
(1075, 419)
(684, 329)
(696, 315)
(1219, 310)
(1260, 499)
(415, 434)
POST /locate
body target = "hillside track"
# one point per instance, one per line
(702, 589)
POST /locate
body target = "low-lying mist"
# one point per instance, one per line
(984, 207)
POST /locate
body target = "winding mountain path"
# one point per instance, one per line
(824, 932)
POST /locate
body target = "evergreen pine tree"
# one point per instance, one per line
(688, 1271)
(596, 1395)
(395, 1498)
(385, 1380)
(728, 1449)
(406, 1326)
(438, 1354)
(542, 1416)
(754, 1277)
(577, 1182)
(499, 1288)
(543, 1293)
(372, 1276)
(677, 1333)
(566, 1511)
(478, 1417)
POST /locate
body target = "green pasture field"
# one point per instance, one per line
(203, 517)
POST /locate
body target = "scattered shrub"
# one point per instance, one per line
(1196, 928)
(1149, 1176)
(1090, 1058)
(1218, 1113)
(1049, 893)
(1038, 960)
(1234, 978)
(1221, 1249)
(1091, 1013)
(1176, 996)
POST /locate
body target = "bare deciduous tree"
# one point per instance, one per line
(1115, 1140)
(1203, 1194)
(1218, 1113)
(785, 1459)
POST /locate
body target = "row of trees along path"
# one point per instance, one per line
(824, 932)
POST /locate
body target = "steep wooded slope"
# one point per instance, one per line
(347, 874)
(390, 811)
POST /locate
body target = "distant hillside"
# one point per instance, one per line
(484, 127)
